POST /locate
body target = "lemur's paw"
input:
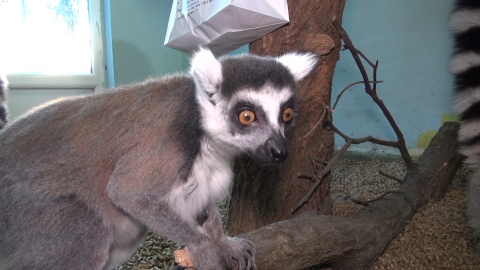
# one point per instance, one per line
(243, 252)
(211, 256)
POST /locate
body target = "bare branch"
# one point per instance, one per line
(364, 139)
(308, 177)
(348, 87)
(321, 161)
(365, 57)
(375, 77)
(327, 117)
(321, 176)
(367, 202)
(372, 93)
(398, 180)
(325, 109)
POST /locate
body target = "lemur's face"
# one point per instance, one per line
(248, 102)
(257, 119)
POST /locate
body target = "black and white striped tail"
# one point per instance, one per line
(3, 101)
(465, 67)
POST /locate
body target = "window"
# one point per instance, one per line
(51, 43)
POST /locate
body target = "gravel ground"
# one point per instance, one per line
(436, 237)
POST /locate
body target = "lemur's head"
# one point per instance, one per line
(247, 102)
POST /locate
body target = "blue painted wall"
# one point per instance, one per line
(411, 41)
(135, 33)
(135, 40)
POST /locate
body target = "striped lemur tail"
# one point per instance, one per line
(465, 67)
(3, 101)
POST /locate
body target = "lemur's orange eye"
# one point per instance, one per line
(287, 115)
(246, 117)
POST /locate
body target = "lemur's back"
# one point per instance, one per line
(70, 139)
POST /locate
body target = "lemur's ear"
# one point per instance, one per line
(300, 65)
(206, 71)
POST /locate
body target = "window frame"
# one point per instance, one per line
(94, 81)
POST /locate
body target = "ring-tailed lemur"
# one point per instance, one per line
(465, 66)
(81, 179)
(3, 105)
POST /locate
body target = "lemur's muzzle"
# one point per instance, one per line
(273, 151)
(277, 149)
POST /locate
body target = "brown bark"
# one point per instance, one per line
(355, 242)
(263, 195)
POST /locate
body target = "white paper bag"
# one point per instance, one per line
(222, 25)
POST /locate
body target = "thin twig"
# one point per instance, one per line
(314, 167)
(363, 139)
(375, 77)
(398, 180)
(308, 177)
(348, 87)
(365, 57)
(367, 202)
(321, 161)
(325, 109)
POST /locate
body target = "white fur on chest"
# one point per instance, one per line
(209, 182)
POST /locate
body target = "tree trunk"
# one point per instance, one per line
(263, 195)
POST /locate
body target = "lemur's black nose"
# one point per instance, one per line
(277, 149)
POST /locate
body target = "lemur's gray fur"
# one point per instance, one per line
(81, 179)
(465, 67)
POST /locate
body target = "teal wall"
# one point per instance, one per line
(411, 41)
(135, 40)
(135, 33)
